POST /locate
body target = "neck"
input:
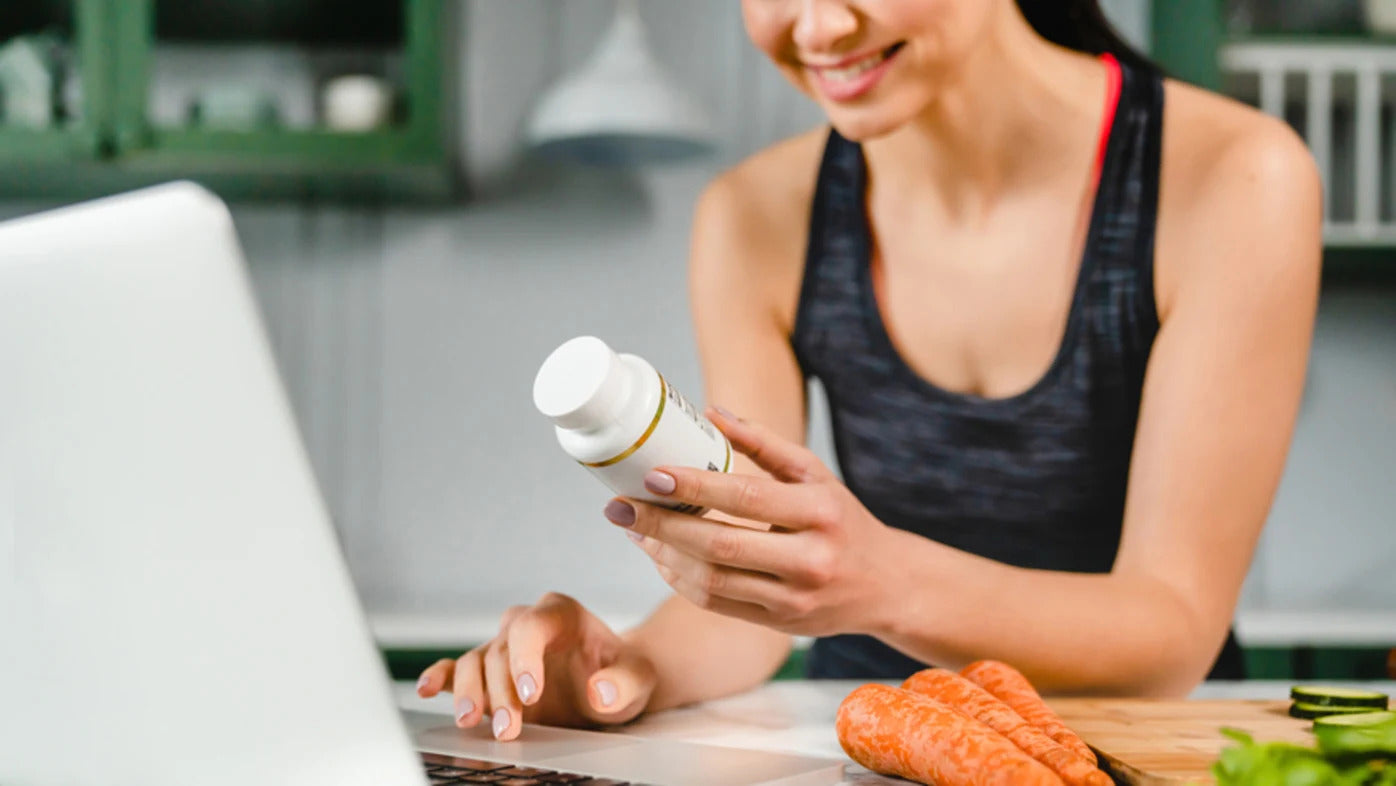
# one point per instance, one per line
(1019, 111)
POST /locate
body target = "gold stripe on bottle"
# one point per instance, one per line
(625, 454)
(726, 465)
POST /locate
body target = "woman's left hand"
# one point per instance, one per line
(821, 568)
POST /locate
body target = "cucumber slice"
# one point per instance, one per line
(1338, 697)
(1358, 719)
(1362, 733)
(1301, 709)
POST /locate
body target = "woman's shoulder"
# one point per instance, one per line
(770, 189)
(1208, 139)
(751, 223)
(1230, 174)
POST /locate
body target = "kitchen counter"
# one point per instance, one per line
(1254, 628)
(798, 716)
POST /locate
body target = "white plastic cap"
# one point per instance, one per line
(582, 385)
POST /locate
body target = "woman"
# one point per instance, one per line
(1061, 307)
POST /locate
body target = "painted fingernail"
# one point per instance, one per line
(501, 722)
(527, 687)
(620, 513)
(606, 691)
(660, 482)
(464, 707)
(422, 681)
(635, 536)
(727, 414)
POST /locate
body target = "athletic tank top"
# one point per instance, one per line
(1035, 480)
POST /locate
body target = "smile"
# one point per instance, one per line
(851, 79)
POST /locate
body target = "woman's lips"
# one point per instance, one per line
(851, 79)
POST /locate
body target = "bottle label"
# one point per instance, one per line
(691, 411)
(678, 435)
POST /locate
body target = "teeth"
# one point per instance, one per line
(851, 72)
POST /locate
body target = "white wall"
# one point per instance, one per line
(1331, 538)
(1131, 17)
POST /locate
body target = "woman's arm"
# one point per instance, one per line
(1237, 301)
(742, 294)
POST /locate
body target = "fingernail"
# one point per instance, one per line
(635, 536)
(501, 722)
(422, 681)
(463, 708)
(660, 482)
(606, 690)
(620, 513)
(728, 415)
(527, 687)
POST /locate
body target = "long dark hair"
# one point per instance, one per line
(1081, 25)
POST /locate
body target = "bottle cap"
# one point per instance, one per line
(582, 385)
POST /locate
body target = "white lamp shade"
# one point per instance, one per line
(620, 107)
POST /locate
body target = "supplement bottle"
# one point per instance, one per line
(618, 417)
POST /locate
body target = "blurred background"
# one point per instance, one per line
(433, 194)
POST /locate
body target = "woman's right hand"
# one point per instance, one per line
(554, 663)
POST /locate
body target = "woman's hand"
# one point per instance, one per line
(820, 569)
(554, 663)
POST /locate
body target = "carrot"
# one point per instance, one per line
(897, 732)
(1011, 687)
(959, 693)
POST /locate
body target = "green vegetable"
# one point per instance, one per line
(1338, 697)
(1361, 734)
(1309, 711)
(1251, 763)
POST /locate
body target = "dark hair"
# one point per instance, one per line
(1081, 25)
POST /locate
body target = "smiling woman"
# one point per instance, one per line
(1061, 308)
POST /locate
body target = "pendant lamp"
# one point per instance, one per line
(620, 108)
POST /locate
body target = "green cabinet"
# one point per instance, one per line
(1186, 37)
(122, 142)
(75, 135)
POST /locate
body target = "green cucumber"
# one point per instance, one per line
(1362, 733)
(1338, 697)
(1300, 709)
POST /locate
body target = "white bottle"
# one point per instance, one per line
(618, 417)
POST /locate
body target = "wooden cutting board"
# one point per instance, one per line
(1164, 743)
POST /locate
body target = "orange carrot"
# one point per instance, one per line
(1013, 689)
(897, 732)
(959, 693)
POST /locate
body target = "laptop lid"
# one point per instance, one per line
(173, 605)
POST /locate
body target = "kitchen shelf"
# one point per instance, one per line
(303, 22)
(47, 144)
(121, 145)
(82, 23)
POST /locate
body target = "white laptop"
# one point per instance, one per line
(173, 605)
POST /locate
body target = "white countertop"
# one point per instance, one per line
(786, 717)
(1255, 628)
(791, 716)
(797, 716)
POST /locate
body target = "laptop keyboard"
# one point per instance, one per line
(442, 770)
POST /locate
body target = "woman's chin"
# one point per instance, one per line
(865, 126)
(872, 119)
